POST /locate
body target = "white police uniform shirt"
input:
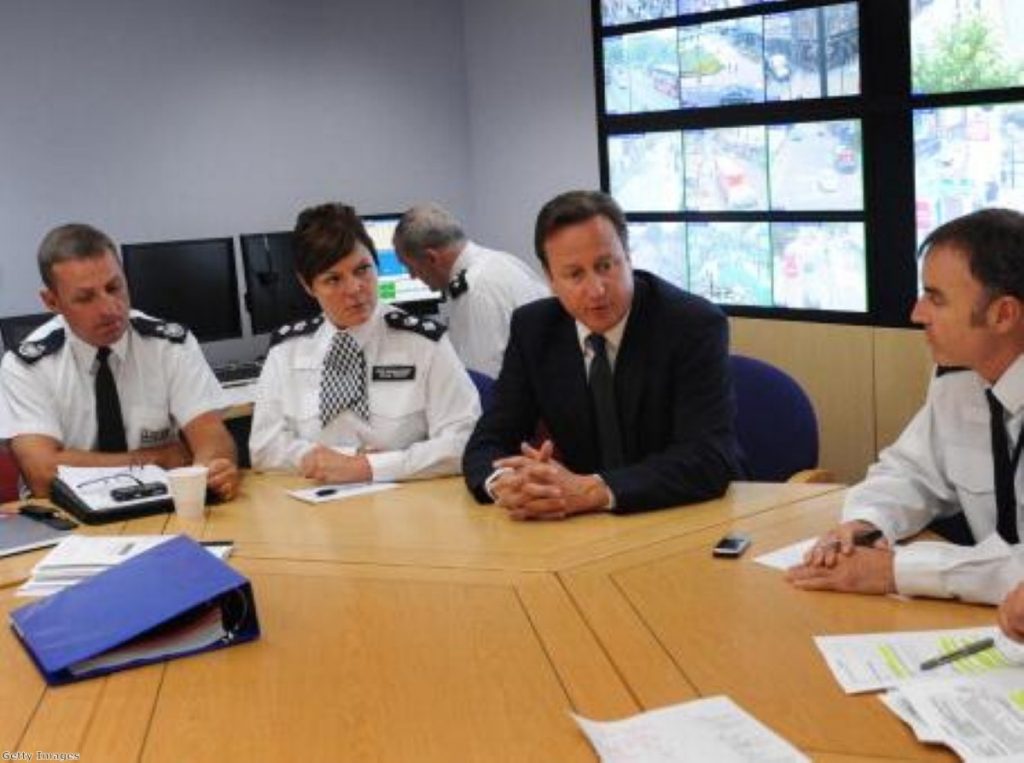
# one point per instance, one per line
(941, 463)
(422, 403)
(163, 382)
(486, 287)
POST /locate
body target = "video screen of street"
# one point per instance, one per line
(617, 12)
(961, 45)
(966, 158)
(810, 266)
(804, 166)
(795, 55)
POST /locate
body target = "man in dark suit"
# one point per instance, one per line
(628, 375)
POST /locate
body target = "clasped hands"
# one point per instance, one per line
(536, 486)
(324, 464)
(837, 562)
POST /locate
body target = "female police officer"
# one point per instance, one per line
(362, 392)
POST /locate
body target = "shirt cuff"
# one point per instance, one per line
(917, 570)
(611, 504)
(489, 482)
(388, 466)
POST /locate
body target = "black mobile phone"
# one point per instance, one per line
(47, 516)
(732, 545)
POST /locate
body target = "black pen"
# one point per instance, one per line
(958, 654)
(325, 491)
(866, 538)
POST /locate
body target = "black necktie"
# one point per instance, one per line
(1003, 468)
(602, 394)
(109, 422)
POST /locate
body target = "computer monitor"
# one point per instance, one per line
(190, 282)
(395, 284)
(274, 296)
(14, 328)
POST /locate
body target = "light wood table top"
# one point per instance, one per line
(438, 523)
(677, 621)
(415, 625)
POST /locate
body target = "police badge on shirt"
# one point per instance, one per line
(393, 373)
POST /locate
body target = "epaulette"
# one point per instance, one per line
(292, 330)
(458, 285)
(943, 370)
(32, 350)
(172, 332)
(427, 327)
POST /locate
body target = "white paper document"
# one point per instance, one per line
(874, 661)
(322, 493)
(78, 557)
(787, 556)
(712, 729)
(980, 717)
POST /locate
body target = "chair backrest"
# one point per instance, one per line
(8, 475)
(775, 422)
(484, 387)
(14, 328)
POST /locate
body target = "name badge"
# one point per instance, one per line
(394, 373)
(152, 437)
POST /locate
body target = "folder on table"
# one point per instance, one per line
(97, 495)
(171, 601)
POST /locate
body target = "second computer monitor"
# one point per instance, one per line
(190, 282)
(274, 295)
(395, 284)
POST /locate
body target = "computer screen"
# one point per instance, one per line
(395, 285)
(274, 296)
(191, 282)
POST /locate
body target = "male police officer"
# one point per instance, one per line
(483, 286)
(102, 385)
(961, 451)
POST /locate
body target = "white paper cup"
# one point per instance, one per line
(188, 489)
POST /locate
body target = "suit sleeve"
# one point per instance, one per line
(511, 419)
(701, 457)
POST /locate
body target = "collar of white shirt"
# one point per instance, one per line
(1009, 388)
(612, 337)
(465, 259)
(85, 353)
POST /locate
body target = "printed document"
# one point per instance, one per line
(78, 557)
(715, 729)
(874, 661)
(980, 717)
(323, 493)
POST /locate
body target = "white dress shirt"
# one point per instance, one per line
(162, 384)
(478, 318)
(422, 403)
(940, 464)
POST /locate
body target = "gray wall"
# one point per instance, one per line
(175, 120)
(532, 115)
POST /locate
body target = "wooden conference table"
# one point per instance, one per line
(414, 625)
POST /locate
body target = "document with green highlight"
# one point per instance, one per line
(874, 661)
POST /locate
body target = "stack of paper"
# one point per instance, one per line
(975, 705)
(712, 729)
(81, 556)
(322, 493)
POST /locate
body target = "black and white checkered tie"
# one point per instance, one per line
(343, 383)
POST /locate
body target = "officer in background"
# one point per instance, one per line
(103, 385)
(482, 286)
(362, 392)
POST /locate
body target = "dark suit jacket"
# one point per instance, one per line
(673, 391)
